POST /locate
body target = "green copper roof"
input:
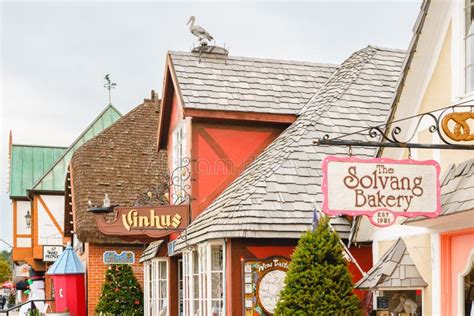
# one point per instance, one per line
(54, 178)
(28, 163)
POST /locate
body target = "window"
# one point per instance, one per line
(179, 154)
(156, 287)
(180, 287)
(204, 284)
(469, 45)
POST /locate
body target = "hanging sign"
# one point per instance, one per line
(263, 282)
(145, 222)
(381, 188)
(125, 257)
(52, 253)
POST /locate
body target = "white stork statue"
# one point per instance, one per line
(199, 31)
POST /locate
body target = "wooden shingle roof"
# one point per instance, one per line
(394, 270)
(229, 83)
(273, 197)
(457, 190)
(123, 161)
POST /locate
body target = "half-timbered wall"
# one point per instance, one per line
(220, 152)
(50, 211)
(22, 232)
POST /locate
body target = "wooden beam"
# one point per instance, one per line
(241, 116)
(55, 222)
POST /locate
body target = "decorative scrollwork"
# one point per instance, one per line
(450, 124)
(180, 182)
(158, 195)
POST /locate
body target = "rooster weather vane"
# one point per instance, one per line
(199, 32)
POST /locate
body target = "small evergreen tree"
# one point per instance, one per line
(318, 281)
(121, 293)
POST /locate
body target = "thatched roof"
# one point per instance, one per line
(123, 161)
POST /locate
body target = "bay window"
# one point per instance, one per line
(203, 275)
(156, 287)
(469, 46)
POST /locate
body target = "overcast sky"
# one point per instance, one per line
(54, 55)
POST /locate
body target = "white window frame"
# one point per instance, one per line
(204, 278)
(465, 37)
(152, 304)
(179, 152)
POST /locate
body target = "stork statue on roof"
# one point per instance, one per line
(199, 31)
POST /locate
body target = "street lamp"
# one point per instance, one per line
(28, 219)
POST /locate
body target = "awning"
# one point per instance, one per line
(394, 270)
(151, 251)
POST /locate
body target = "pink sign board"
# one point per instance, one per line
(381, 188)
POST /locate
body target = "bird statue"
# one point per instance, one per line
(199, 31)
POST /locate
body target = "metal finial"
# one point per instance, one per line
(109, 85)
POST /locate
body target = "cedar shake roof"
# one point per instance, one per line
(394, 270)
(229, 83)
(457, 190)
(123, 161)
(273, 197)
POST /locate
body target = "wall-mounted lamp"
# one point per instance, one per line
(28, 219)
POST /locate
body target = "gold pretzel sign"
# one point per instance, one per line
(461, 130)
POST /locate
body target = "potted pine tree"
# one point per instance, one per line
(318, 281)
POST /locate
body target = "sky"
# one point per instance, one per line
(54, 55)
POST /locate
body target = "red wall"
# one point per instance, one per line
(221, 151)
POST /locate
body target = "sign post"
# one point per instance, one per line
(381, 188)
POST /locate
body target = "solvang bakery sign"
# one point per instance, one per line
(381, 188)
(145, 222)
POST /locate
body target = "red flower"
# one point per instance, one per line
(137, 302)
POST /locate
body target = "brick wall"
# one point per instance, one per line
(96, 270)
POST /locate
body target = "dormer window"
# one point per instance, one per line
(179, 154)
(469, 45)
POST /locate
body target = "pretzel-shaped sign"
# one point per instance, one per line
(461, 130)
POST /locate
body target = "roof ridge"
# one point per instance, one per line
(69, 148)
(388, 49)
(259, 59)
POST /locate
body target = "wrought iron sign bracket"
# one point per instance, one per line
(451, 125)
(353, 143)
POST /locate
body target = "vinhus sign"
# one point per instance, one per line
(143, 222)
(381, 188)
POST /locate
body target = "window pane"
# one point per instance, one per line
(195, 262)
(216, 258)
(217, 286)
(469, 79)
(469, 17)
(163, 270)
(196, 286)
(217, 308)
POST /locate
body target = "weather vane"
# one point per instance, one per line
(109, 85)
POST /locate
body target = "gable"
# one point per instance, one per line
(54, 178)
